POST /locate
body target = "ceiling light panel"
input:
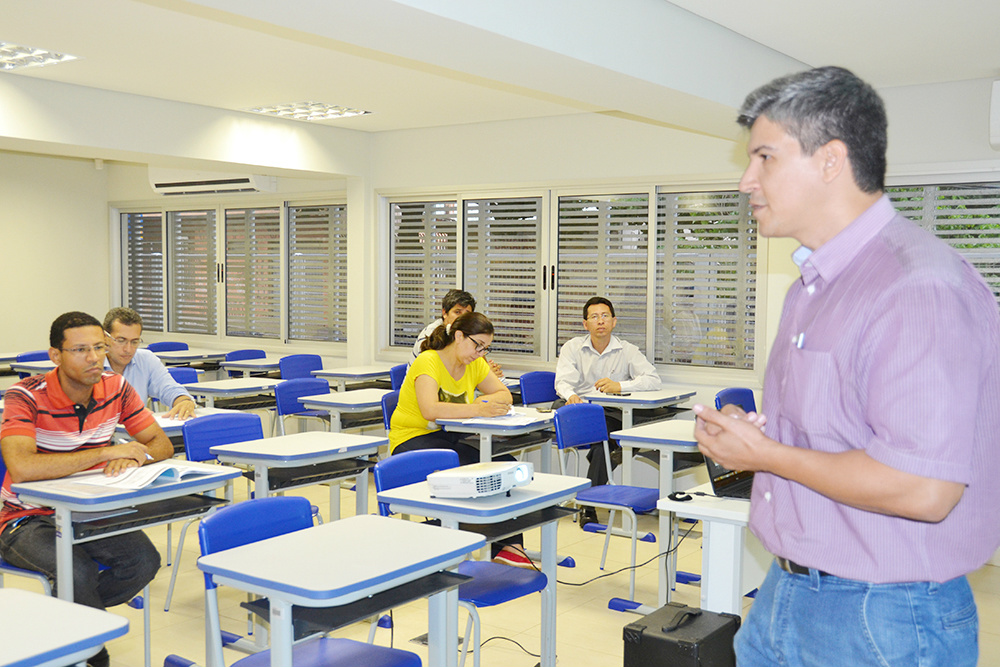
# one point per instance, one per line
(309, 111)
(14, 56)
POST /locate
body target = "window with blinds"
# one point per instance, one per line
(603, 251)
(502, 268)
(143, 282)
(706, 278)
(317, 273)
(424, 264)
(191, 276)
(253, 272)
(966, 216)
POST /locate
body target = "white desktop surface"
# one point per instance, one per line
(640, 400)
(32, 367)
(231, 388)
(733, 561)
(341, 562)
(174, 426)
(247, 366)
(42, 631)
(346, 374)
(339, 402)
(193, 354)
(487, 427)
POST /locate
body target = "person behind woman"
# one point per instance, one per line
(441, 384)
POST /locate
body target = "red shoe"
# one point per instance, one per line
(513, 557)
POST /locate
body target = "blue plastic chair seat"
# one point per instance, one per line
(326, 652)
(639, 498)
(495, 583)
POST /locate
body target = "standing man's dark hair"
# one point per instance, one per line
(71, 320)
(826, 103)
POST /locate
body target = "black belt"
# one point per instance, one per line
(794, 568)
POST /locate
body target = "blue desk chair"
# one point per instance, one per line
(396, 376)
(736, 396)
(200, 435)
(583, 424)
(286, 398)
(256, 520)
(538, 387)
(35, 355)
(389, 402)
(167, 346)
(240, 355)
(492, 583)
(183, 374)
(299, 365)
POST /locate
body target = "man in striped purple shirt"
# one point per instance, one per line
(878, 480)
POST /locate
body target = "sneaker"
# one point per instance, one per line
(99, 659)
(513, 557)
(587, 515)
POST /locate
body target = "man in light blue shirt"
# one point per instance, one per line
(141, 368)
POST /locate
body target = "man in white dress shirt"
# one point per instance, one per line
(601, 361)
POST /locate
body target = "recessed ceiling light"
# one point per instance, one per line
(13, 56)
(309, 111)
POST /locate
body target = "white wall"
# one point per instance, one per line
(54, 234)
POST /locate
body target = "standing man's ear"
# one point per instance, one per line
(835, 156)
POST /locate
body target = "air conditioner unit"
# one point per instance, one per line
(995, 117)
(183, 182)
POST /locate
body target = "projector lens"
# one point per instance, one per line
(520, 473)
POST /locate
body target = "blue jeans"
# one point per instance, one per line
(131, 561)
(803, 620)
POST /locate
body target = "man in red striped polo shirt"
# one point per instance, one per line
(60, 423)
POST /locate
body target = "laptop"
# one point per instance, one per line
(728, 483)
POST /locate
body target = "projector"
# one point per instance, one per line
(480, 479)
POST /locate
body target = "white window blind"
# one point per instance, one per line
(706, 269)
(502, 268)
(424, 265)
(317, 273)
(144, 266)
(966, 216)
(253, 272)
(603, 251)
(192, 272)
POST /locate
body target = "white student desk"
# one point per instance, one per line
(304, 449)
(526, 507)
(232, 388)
(42, 631)
(665, 437)
(66, 496)
(247, 366)
(341, 402)
(639, 400)
(175, 357)
(733, 561)
(32, 367)
(174, 427)
(527, 420)
(353, 374)
(344, 561)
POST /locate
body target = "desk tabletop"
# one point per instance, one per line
(341, 561)
(39, 630)
(32, 367)
(7, 357)
(259, 363)
(524, 420)
(68, 493)
(640, 399)
(675, 433)
(544, 490)
(232, 386)
(175, 426)
(369, 372)
(299, 447)
(346, 400)
(180, 356)
(728, 510)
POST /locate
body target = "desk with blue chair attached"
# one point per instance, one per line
(526, 428)
(366, 404)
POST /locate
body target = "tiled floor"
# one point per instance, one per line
(589, 634)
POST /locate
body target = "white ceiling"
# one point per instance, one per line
(424, 63)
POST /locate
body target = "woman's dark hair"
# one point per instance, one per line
(469, 324)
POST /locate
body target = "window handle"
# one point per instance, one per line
(545, 274)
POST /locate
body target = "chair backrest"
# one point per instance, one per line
(389, 402)
(252, 521)
(396, 376)
(240, 355)
(203, 433)
(538, 387)
(167, 346)
(288, 392)
(410, 467)
(736, 396)
(580, 424)
(183, 374)
(34, 355)
(299, 365)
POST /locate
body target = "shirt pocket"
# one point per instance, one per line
(810, 393)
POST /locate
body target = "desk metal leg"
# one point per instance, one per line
(281, 633)
(549, 594)
(668, 564)
(442, 629)
(64, 554)
(209, 401)
(361, 493)
(722, 567)
(261, 483)
(335, 421)
(485, 447)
